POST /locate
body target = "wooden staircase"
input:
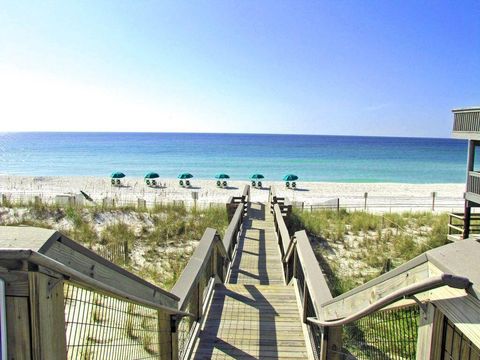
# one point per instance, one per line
(255, 315)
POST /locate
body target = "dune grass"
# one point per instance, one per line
(160, 240)
(355, 247)
(370, 243)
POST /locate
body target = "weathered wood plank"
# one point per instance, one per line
(358, 300)
(425, 333)
(47, 317)
(16, 283)
(108, 273)
(18, 328)
(437, 335)
(165, 339)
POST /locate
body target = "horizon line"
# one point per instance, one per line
(219, 133)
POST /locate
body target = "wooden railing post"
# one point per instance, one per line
(466, 221)
(294, 270)
(437, 335)
(47, 316)
(332, 345)
(215, 265)
(425, 333)
(199, 301)
(305, 302)
(174, 342)
(17, 314)
(168, 349)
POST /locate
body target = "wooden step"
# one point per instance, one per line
(255, 315)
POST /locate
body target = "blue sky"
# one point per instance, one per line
(322, 67)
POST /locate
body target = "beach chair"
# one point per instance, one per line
(118, 182)
(181, 183)
(287, 184)
(294, 185)
(254, 184)
(224, 184)
(219, 183)
(147, 182)
(259, 184)
(154, 182)
(187, 183)
(113, 181)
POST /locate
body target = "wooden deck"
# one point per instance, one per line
(254, 316)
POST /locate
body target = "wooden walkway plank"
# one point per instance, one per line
(254, 316)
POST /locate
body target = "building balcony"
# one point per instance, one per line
(466, 123)
(473, 187)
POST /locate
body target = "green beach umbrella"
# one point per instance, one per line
(290, 177)
(151, 175)
(257, 176)
(185, 176)
(222, 176)
(117, 175)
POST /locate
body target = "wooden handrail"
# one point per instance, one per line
(312, 272)
(459, 216)
(325, 316)
(230, 237)
(457, 282)
(71, 274)
(457, 228)
(297, 252)
(246, 193)
(290, 251)
(78, 259)
(43, 259)
(211, 260)
(284, 239)
(195, 267)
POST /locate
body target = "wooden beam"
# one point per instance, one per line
(16, 283)
(165, 343)
(462, 309)
(229, 239)
(18, 328)
(333, 346)
(90, 264)
(187, 283)
(425, 333)
(47, 317)
(437, 335)
(374, 290)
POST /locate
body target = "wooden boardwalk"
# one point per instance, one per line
(254, 316)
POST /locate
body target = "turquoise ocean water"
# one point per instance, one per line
(312, 158)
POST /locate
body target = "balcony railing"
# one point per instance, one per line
(466, 123)
(456, 226)
(473, 187)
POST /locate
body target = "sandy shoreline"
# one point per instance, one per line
(386, 196)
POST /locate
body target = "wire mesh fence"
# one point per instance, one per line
(384, 335)
(99, 326)
(184, 331)
(197, 298)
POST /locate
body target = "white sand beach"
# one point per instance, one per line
(380, 196)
